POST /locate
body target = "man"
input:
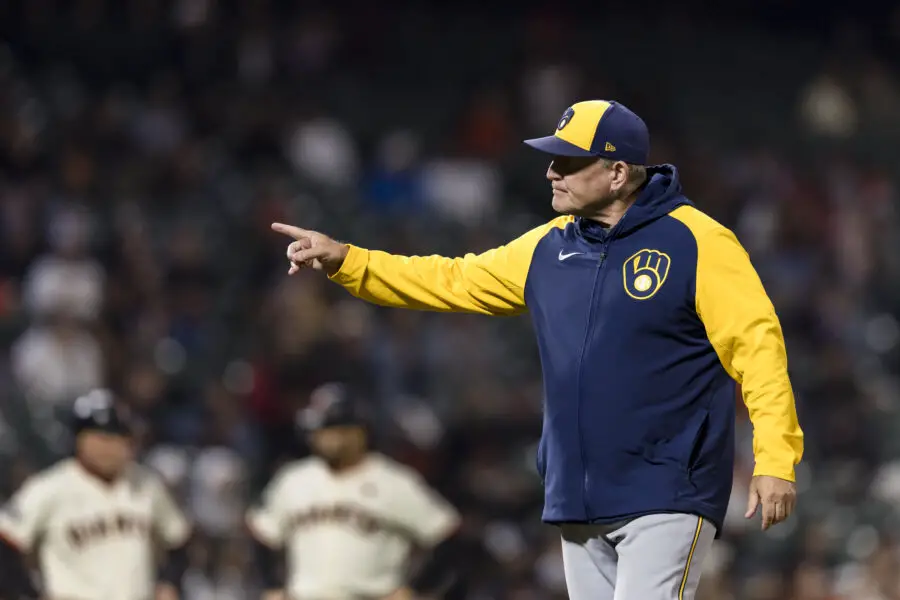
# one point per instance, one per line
(347, 517)
(647, 312)
(95, 520)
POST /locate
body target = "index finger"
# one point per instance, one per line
(290, 230)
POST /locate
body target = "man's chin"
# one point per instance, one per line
(561, 204)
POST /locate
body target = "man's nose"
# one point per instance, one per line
(552, 175)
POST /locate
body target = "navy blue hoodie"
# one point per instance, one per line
(644, 330)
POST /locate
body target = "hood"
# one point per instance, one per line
(660, 196)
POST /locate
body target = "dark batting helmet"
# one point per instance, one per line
(97, 410)
(331, 405)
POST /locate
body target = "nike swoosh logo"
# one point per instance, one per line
(563, 256)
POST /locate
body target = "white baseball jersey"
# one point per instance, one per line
(348, 535)
(95, 540)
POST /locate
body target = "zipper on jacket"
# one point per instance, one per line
(601, 259)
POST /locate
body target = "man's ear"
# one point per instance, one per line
(620, 175)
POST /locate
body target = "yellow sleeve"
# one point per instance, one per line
(742, 325)
(492, 283)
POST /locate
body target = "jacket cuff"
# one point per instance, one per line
(352, 269)
(769, 470)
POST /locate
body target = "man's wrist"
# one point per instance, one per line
(786, 474)
(342, 256)
(352, 265)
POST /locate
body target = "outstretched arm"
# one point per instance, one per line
(491, 283)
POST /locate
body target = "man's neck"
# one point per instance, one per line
(104, 478)
(612, 213)
(348, 464)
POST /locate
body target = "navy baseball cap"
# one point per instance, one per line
(98, 411)
(601, 128)
(331, 405)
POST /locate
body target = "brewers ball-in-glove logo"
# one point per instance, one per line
(645, 272)
(564, 120)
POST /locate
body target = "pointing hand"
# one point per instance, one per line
(312, 249)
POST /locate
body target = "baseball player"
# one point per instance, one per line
(347, 518)
(95, 520)
(647, 313)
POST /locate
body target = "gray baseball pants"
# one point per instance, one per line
(654, 557)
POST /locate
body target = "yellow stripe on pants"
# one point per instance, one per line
(687, 567)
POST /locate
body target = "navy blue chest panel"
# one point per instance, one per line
(642, 283)
(638, 290)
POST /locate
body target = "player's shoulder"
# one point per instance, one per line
(144, 477)
(560, 222)
(391, 469)
(698, 223)
(539, 232)
(52, 479)
(298, 470)
(60, 472)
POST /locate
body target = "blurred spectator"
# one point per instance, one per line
(394, 185)
(828, 109)
(58, 357)
(57, 361)
(67, 280)
(324, 151)
(466, 190)
(217, 496)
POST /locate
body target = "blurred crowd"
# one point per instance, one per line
(146, 145)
